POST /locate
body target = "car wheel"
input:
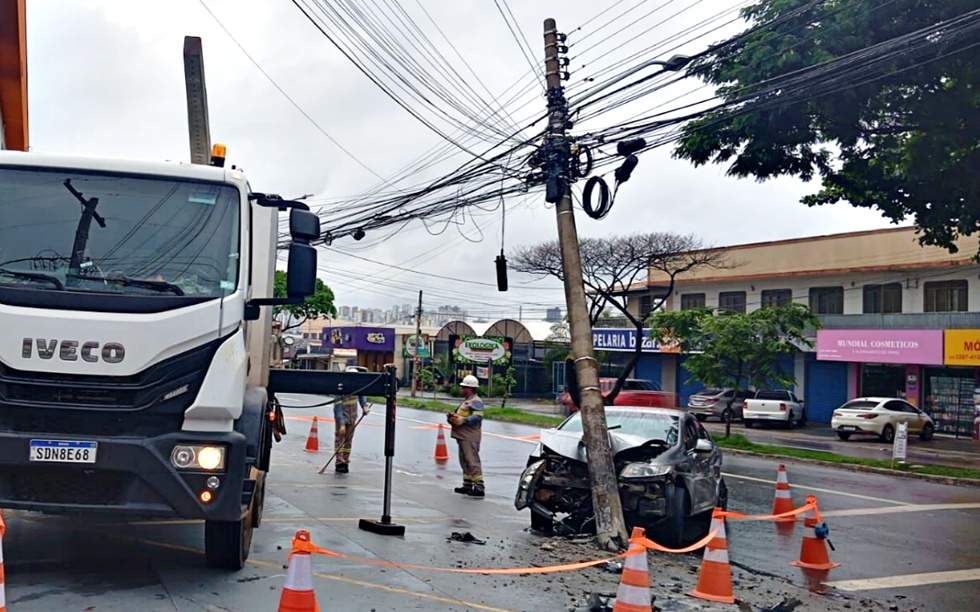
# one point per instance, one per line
(722, 495)
(671, 531)
(727, 415)
(541, 523)
(888, 434)
(749, 423)
(844, 435)
(801, 422)
(927, 431)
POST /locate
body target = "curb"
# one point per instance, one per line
(867, 469)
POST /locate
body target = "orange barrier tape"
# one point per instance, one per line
(309, 547)
(650, 544)
(768, 517)
(3, 527)
(305, 546)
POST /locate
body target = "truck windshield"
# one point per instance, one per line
(114, 233)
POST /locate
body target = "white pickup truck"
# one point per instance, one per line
(774, 405)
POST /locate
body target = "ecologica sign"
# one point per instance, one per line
(480, 350)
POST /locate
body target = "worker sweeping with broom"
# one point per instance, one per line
(345, 422)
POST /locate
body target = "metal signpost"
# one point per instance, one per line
(900, 446)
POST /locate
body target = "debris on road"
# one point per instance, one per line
(467, 537)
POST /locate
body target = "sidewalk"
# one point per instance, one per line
(941, 450)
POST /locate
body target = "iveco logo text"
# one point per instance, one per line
(72, 350)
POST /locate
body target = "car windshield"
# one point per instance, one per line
(642, 423)
(860, 405)
(636, 384)
(772, 395)
(112, 233)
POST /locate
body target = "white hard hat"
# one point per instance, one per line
(470, 381)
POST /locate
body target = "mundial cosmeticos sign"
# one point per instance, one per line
(475, 349)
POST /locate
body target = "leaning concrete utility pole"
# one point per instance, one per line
(610, 526)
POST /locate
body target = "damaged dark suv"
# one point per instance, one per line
(669, 473)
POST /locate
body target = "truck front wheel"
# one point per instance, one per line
(227, 543)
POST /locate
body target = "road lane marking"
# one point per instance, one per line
(899, 509)
(908, 580)
(809, 488)
(485, 433)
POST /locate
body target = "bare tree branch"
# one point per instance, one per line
(614, 266)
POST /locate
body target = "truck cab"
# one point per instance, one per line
(135, 328)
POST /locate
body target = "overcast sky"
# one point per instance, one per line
(106, 79)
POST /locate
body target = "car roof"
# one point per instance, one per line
(874, 399)
(646, 409)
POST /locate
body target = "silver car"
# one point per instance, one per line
(713, 402)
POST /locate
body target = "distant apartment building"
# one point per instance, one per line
(898, 319)
(553, 315)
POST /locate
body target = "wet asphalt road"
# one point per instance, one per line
(882, 527)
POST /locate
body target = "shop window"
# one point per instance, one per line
(827, 300)
(883, 299)
(646, 305)
(952, 397)
(946, 296)
(647, 302)
(692, 300)
(731, 301)
(776, 297)
(880, 380)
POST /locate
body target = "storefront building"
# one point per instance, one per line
(370, 347)
(953, 391)
(614, 347)
(936, 370)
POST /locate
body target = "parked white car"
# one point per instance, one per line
(880, 416)
(774, 406)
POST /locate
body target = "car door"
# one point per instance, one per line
(702, 495)
(897, 414)
(916, 420)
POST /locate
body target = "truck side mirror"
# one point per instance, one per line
(304, 227)
(301, 271)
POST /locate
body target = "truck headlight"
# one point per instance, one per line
(644, 470)
(524, 492)
(198, 457)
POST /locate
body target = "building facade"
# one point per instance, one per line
(898, 319)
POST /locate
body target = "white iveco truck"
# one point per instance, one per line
(135, 327)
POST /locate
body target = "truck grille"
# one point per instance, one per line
(138, 405)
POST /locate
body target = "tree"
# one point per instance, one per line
(504, 383)
(318, 305)
(903, 128)
(731, 350)
(612, 266)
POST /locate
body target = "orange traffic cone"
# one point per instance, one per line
(715, 578)
(297, 593)
(813, 552)
(784, 499)
(3, 595)
(634, 587)
(313, 442)
(442, 453)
